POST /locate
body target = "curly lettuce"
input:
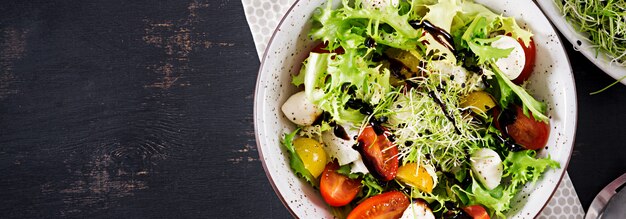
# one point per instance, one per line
(508, 91)
(295, 162)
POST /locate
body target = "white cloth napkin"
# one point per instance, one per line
(263, 17)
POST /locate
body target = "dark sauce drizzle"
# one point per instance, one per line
(442, 36)
(377, 126)
(443, 107)
(363, 107)
(506, 118)
(324, 117)
(485, 80)
(370, 42)
(340, 132)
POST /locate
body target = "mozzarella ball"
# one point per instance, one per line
(418, 210)
(340, 148)
(513, 64)
(487, 166)
(300, 110)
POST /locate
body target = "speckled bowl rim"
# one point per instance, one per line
(575, 116)
(256, 107)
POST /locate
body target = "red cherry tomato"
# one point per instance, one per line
(387, 205)
(529, 51)
(476, 212)
(524, 130)
(379, 154)
(337, 189)
(321, 48)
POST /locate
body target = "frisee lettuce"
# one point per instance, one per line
(476, 37)
(507, 91)
(523, 167)
(294, 160)
(349, 26)
(327, 75)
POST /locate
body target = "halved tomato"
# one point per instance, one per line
(476, 211)
(387, 205)
(379, 154)
(524, 130)
(337, 189)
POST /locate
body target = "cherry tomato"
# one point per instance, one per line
(337, 189)
(476, 212)
(529, 51)
(524, 130)
(480, 101)
(415, 176)
(387, 205)
(312, 155)
(321, 48)
(379, 154)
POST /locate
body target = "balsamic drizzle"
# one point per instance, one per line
(370, 42)
(443, 107)
(440, 35)
(507, 117)
(340, 132)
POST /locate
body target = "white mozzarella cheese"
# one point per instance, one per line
(339, 148)
(418, 210)
(358, 166)
(487, 166)
(513, 64)
(299, 110)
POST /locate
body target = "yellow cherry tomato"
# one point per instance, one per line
(480, 101)
(415, 176)
(312, 154)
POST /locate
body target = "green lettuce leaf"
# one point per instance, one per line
(476, 37)
(371, 187)
(523, 167)
(497, 22)
(507, 91)
(351, 24)
(496, 201)
(294, 160)
(346, 170)
(297, 80)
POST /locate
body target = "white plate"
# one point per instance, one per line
(580, 42)
(552, 82)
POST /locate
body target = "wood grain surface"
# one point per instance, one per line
(143, 109)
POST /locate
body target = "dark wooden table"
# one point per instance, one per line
(143, 109)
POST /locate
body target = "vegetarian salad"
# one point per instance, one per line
(416, 109)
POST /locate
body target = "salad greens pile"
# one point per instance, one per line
(422, 107)
(603, 21)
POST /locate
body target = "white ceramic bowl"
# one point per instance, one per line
(552, 82)
(580, 42)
